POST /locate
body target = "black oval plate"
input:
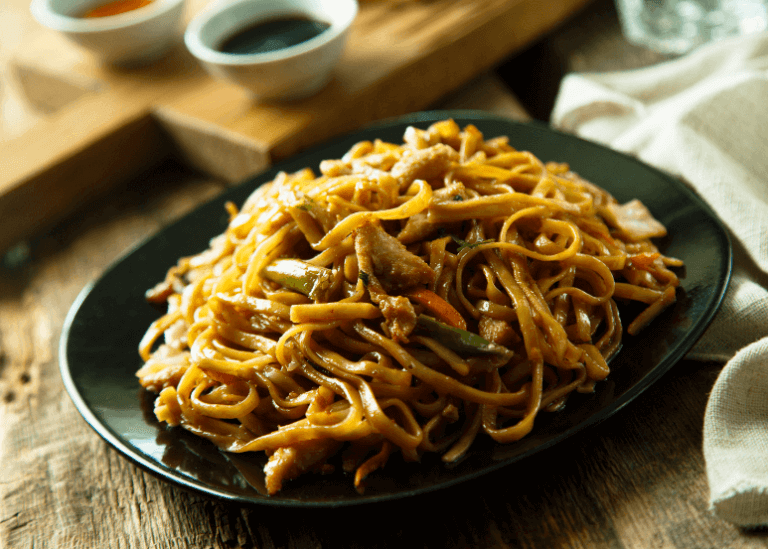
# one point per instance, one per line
(99, 358)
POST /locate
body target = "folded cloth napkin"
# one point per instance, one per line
(704, 118)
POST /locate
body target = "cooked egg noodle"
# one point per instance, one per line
(329, 347)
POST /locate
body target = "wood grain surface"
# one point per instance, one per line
(635, 481)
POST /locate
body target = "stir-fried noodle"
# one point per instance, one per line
(409, 299)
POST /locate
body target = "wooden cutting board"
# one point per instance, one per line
(105, 125)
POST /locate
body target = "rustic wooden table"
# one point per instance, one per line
(635, 481)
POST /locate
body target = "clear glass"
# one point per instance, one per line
(678, 26)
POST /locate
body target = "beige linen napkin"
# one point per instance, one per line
(704, 118)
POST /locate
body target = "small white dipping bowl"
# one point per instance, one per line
(286, 74)
(131, 38)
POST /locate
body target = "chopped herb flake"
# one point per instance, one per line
(463, 244)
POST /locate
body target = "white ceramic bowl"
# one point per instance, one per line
(286, 74)
(134, 37)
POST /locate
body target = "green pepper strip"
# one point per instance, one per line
(460, 340)
(300, 276)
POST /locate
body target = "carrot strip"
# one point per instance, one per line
(444, 311)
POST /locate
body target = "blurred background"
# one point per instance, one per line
(587, 42)
(16, 27)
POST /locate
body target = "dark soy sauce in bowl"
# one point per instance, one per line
(272, 35)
